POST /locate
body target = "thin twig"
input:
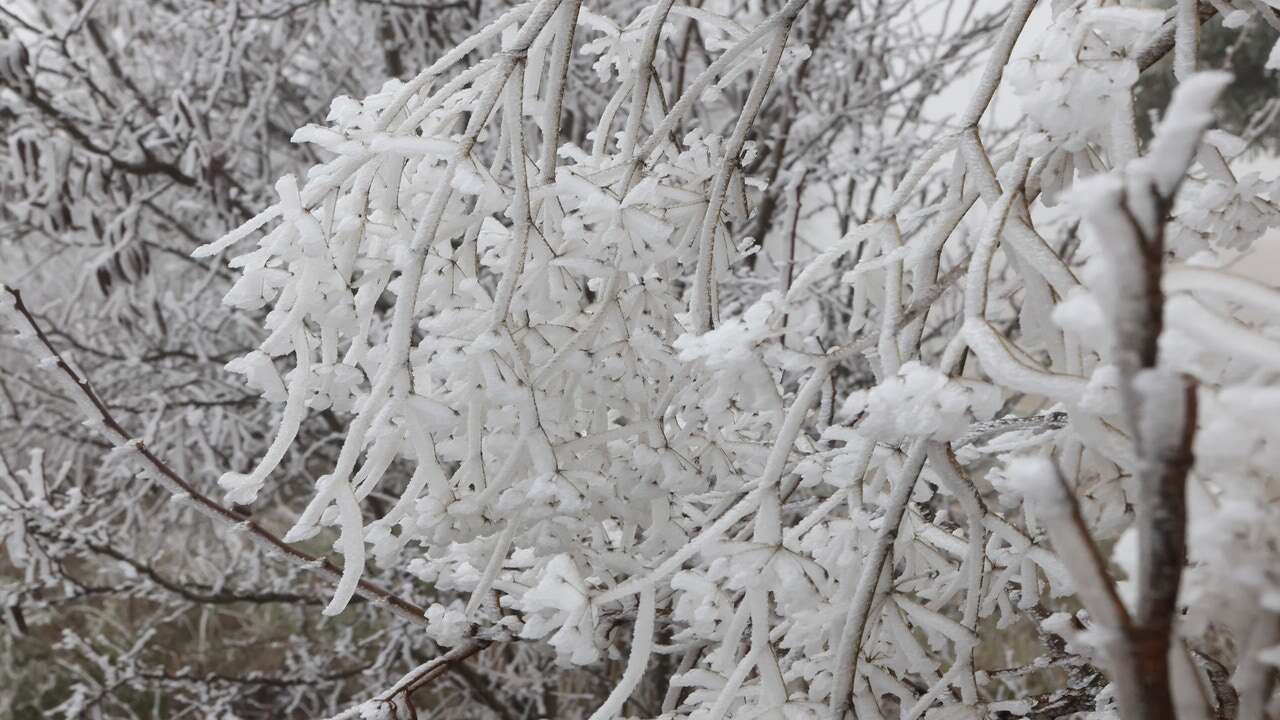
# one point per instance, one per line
(233, 519)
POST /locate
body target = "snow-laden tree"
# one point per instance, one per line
(136, 131)
(1000, 445)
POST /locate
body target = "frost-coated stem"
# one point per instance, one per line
(451, 58)
(643, 74)
(1019, 12)
(1166, 37)
(729, 691)
(1186, 39)
(1159, 403)
(491, 569)
(693, 93)
(873, 563)
(948, 470)
(739, 510)
(673, 693)
(513, 114)
(773, 686)
(702, 305)
(891, 312)
(415, 677)
(641, 646)
(774, 467)
(552, 368)
(978, 280)
(553, 112)
(351, 541)
(1056, 507)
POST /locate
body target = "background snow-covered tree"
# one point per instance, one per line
(684, 360)
(135, 131)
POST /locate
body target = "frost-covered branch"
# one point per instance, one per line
(98, 414)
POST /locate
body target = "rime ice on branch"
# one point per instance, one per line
(624, 434)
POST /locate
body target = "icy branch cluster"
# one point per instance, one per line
(600, 438)
(1027, 399)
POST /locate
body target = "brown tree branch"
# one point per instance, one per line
(233, 519)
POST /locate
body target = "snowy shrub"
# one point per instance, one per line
(604, 425)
